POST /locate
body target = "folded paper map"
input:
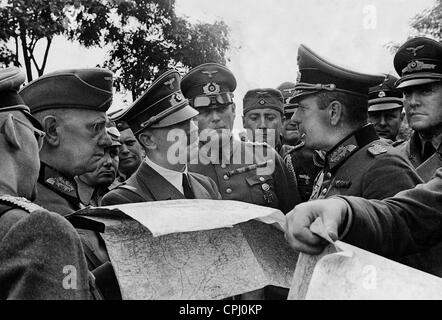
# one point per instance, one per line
(230, 254)
(345, 272)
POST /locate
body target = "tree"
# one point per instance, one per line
(429, 22)
(145, 37)
(26, 23)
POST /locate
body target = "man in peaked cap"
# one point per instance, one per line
(300, 160)
(92, 186)
(332, 117)
(234, 165)
(419, 62)
(36, 245)
(290, 133)
(71, 106)
(160, 112)
(131, 153)
(385, 108)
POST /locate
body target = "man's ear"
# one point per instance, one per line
(50, 125)
(402, 116)
(11, 133)
(336, 112)
(147, 140)
(243, 121)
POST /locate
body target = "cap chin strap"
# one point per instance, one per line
(159, 117)
(302, 86)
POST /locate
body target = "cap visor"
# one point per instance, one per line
(300, 96)
(178, 116)
(416, 82)
(383, 106)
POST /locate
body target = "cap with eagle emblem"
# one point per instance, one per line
(318, 74)
(418, 61)
(70, 89)
(161, 105)
(208, 79)
(287, 89)
(385, 96)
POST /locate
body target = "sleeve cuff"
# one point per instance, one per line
(348, 219)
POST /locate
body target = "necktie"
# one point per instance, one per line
(188, 193)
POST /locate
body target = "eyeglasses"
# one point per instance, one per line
(39, 135)
(224, 98)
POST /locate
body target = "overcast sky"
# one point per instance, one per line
(265, 35)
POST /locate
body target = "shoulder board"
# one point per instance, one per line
(20, 202)
(127, 187)
(256, 144)
(377, 149)
(398, 143)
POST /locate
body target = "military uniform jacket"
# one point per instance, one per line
(408, 223)
(362, 165)
(412, 148)
(428, 168)
(303, 168)
(148, 185)
(59, 194)
(238, 178)
(36, 247)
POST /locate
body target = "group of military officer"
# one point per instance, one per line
(332, 134)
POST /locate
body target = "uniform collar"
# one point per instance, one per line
(85, 191)
(58, 183)
(349, 145)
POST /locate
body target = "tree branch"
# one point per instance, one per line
(45, 58)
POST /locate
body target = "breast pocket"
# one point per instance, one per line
(263, 190)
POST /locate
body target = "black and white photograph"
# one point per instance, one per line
(220, 154)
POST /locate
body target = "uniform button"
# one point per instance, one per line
(229, 191)
(329, 175)
(262, 179)
(226, 177)
(223, 166)
(324, 191)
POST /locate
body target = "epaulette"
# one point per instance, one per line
(127, 187)
(20, 202)
(376, 149)
(257, 144)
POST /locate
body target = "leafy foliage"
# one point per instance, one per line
(429, 22)
(145, 37)
(26, 22)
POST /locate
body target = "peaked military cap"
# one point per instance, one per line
(119, 119)
(317, 74)
(385, 96)
(208, 84)
(10, 81)
(263, 99)
(162, 105)
(70, 89)
(418, 61)
(288, 89)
